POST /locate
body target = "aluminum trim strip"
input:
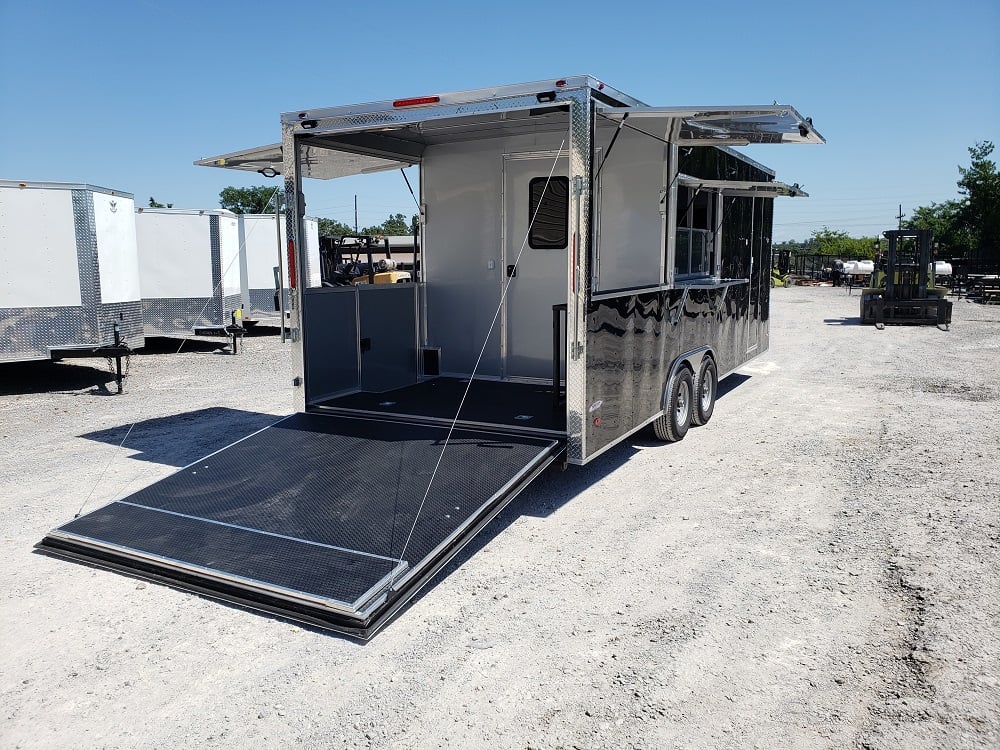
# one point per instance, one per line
(256, 531)
(248, 584)
(488, 427)
(247, 437)
(713, 284)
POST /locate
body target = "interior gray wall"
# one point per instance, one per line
(462, 189)
(330, 333)
(388, 322)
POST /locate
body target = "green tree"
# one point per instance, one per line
(334, 228)
(258, 199)
(945, 221)
(980, 184)
(153, 203)
(396, 224)
(834, 242)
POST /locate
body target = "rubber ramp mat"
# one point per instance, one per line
(323, 518)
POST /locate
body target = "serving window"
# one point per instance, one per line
(694, 250)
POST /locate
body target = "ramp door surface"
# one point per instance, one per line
(330, 519)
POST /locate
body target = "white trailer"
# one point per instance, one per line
(189, 266)
(264, 265)
(70, 282)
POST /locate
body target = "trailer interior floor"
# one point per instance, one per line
(524, 406)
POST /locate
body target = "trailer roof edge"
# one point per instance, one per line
(41, 185)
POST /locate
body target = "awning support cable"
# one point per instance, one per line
(611, 145)
(222, 277)
(479, 359)
(408, 185)
(622, 124)
(106, 467)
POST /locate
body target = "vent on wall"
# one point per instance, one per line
(431, 361)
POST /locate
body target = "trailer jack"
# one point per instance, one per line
(117, 351)
(236, 330)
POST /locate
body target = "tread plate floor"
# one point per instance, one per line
(489, 402)
(319, 507)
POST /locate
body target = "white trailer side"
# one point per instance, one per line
(264, 264)
(71, 272)
(189, 266)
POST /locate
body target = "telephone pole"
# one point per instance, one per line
(900, 216)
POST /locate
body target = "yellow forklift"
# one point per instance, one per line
(353, 262)
(902, 288)
(781, 261)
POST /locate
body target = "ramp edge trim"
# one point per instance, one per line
(230, 579)
(540, 461)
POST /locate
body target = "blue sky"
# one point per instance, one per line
(127, 95)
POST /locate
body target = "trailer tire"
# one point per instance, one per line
(705, 389)
(673, 424)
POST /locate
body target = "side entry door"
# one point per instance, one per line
(536, 248)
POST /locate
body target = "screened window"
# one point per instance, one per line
(693, 255)
(549, 205)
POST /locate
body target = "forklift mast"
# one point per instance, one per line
(902, 288)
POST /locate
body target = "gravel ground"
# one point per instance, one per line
(815, 568)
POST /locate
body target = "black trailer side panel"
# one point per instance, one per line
(632, 342)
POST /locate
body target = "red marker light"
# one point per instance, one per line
(561, 82)
(597, 421)
(416, 101)
(291, 264)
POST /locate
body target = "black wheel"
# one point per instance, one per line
(705, 388)
(673, 424)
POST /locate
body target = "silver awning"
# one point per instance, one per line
(318, 163)
(713, 126)
(744, 187)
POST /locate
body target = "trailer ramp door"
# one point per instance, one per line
(324, 519)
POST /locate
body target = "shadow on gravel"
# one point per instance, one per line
(167, 345)
(22, 378)
(553, 489)
(842, 321)
(182, 438)
(260, 329)
(730, 384)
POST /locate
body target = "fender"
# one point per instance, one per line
(692, 360)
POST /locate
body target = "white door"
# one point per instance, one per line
(536, 247)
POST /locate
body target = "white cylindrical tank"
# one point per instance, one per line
(941, 268)
(859, 267)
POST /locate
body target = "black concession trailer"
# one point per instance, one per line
(589, 266)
